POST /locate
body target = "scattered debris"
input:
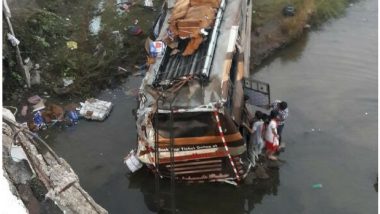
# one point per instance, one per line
(34, 99)
(38, 122)
(72, 45)
(157, 48)
(148, 3)
(67, 81)
(134, 30)
(24, 110)
(95, 109)
(13, 39)
(317, 186)
(132, 161)
(39, 106)
(289, 10)
(121, 69)
(35, 75)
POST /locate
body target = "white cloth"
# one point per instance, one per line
(269, 135)
(257, 138)
(13, 39)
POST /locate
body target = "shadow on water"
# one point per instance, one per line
(203, 198)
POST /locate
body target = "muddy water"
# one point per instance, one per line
(329, 79)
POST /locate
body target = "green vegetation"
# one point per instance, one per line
(272, 30)
(44, 34)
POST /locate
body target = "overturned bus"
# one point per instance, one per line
(191, 101)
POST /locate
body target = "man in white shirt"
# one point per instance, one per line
(283, 112)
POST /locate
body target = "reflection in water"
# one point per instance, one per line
(204, 198)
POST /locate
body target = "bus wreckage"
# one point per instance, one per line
(191, 101)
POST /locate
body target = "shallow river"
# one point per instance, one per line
(329, 79)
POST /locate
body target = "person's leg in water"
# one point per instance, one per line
(271, 150)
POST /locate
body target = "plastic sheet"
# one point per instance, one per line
(95, 109)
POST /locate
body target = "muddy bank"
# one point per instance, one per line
(93, 43)
(275, 25)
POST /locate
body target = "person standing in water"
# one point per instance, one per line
(271, 136)
(257, 142)
(283, 112)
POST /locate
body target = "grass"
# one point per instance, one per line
(312, 12)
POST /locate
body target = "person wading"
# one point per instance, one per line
(283, 112)
(257, 142)
(271, 136)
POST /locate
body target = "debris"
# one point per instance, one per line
(13, 39)
(135, 30)
(39, 121)
(307, 26)
(39, 106)
(72, 45)
(34, 99)
(289, 10)
(68, 81)
(95, 109)
(148, 3)
(132, 161)
(157, 48)
(24, 111)
(136, 22)
(35, 77)
(73, 117)
(174, 52)
(8, 114)
(366, 113)
(121, 69)
(317, 186)
(312, 130)
(53, 112)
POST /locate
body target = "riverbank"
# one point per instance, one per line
(97, 49)
(274, 29)
(94, 44)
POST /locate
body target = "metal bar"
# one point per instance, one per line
(197, 163)
(172, 173)
(196, 167)
(199, 171)
(211, 47)
(225, 145)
